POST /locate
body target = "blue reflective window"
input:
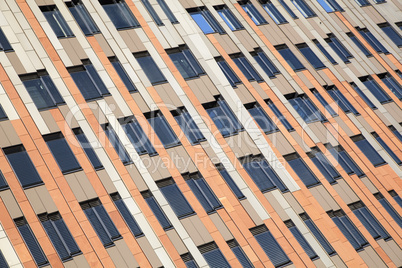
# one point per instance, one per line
(116, 143)
(359, 44)
(266, 64)
(89, 151)
(189, 261)
(393, 85)
(65, 158)
(302, 241)
(89, 82)
(375, 89)
(22, 166)
(310, 56)
(262, 119)
(81, 15)
(343, 158)
(387, 149)
(279, 115)
(325, 167)
(156, 209)
(175, 198)
(325, 52)
(150, 68)
(239, 253)
(301, 169)
(229, 18)
(306, 109)
(368, 150)
(324, 103)
(232, 185)
(304, 9)
(363, 3)
(287, 8)
(2, 113)
(164, 131)
(342, 101)
(119, 13)
(396, 197)
(274, 12)
(263, 175)
(270, 246)
(203, 193)
(42, 91)
(213, 255)
(138, 138)
(4, 44)
(370, 38)
(392, 34)
(244, 65)
(290, 58)
(253, 13)
(3, 262)
(31, 242)
(224, 118)
(167, 11)
(56, 21)
(363, 96)
(318, 235)
(123, 76)
(60, 236)
(330, 5)
(206, 21)
(185, 62)
(391, 211)
(152, 12)
(188, 126)
(3, 182)
(348, 229)
(101, 222)
(127, 216)
(228, 72)
(339, 49)
(396, 132)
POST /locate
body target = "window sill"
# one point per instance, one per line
(65, 37)
(261, 24)
(159, 83)
(381, 164)
(71, 171)
(187, 215)
(128, 27)
(172, 145)
(33, 185)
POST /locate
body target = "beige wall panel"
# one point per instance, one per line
(188, 3)
(70, 119)
(140, 102)
(75, 44)
(244, 94)
(272, 35)
(200, 93)
(100, 116)
(324, 198)
(70, 50)
(345, 192)
(137, 178)
(114, 107)
(277, 207)
(199, 226)
(223, 230)
(127, 39)
(282, 84)
(192, 231)
(177, 242)
(81, 261)
(394, 110)
(106, 181)
(260, 91)
(15, 61)
(251, 212)
(369, 185)
(385, 119)
(339, 22)
(49, 120)
(300, 141)
(321, 132)
(293, 203)
(210, 152)
(70, 264)
(182, 160)
(342, 73)
(149, 252)
(373, 14)
(136, 40)
(153, 165)
(209, 85)
(356, 68)
(35, 201)
(116, 257)
(10, 133)
(319, 264)
(247, 144)
(392, 250)
(304, 79)
(246, 39)
(76, 187)
(46, 199)
(11, 204)
(338, 261)
(82, 179)
(366, 125)
(281, 143)
(373, 61)
(343, 126)
(4, 142)
(325, 78)
(371, 258)
(104, 45)
(349, 19)
(316, 27)
(227, 43)
(290, 33)
(388, 61)
(126, 253)
(232, 141)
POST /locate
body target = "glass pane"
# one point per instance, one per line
(33, 245)
(182, 64)
(273, 250)
(304, 173)
(151, 70)
(24, 168)
(151, 11)
(123, 76)
(38, 93)
(58, 24)
(164, 131)
(118, 146)
(303, 242)
(370, 152)
(56, 240)
(161, 217)
(274, 13)
(177, 200)
(263, 120)
(128, 217)
(4, 44)
(233, 186)
(291, 59)
(311, 57)
(120, 15)
(99, 228)
(63, 155)
(167, 11)
(202, 22)
(85, 85)
(215, 259)
(89, 151)
(83, 19)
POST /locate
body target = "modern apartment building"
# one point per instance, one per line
(200, 133)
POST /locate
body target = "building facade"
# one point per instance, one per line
(188, 133)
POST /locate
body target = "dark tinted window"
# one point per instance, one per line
(262, 119)
(89, 151)
(152, 12)
(81, 15)
(375, 89)
(203, 193)
(301, 169)
(343, 158)
(303, 8)
(300, 238)
(363, 96)
(368, 150)
(325, 52)
(213, 256)
(228, 72)
(3, 182)
(163, 130)
(126, 214)
(232, 185)
(2, 113)
(341, 100)
(387, 149)
(290, 58)
(339, 49)
(266, 64)
(359, 44)
(279, 115)
(325, 167)
(287, 8)
(4, 44)
(3, 262)
(229, 18)
(150, 68)
(253, 13)
(167, 11)
(393, 85)
(239, 253)
(224, 118)
(274, 12)
(370, 38)
(118, 146)
(119, 13)
(391, 211)
(244, 65)
(138, 138)
(310, 56)
(392, 34)
(188, 126)
(306, 109)
(175, 198)
(205, 20)
(330, 5)
(123, 76)
(56, 21)
(156, 209)
(185, 62)
(324, 103)
(88, 82)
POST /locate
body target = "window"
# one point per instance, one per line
(379, 1)
(118, 146)
(3, 262)
(330, 5)
(368, 150)
(363, 3)
(152, 12)
(202, 191)
(279, 115)
(22, 166)
(261, 118)
(396, 132)
(341, 100)
(290, 58)
(156, 209)
(3, 115)
(368, 221)
(348, 229)
(56, 21)
(167, 11)
(65, 158)
(310, 56)
(89, 151)
(42, 90)
(342, 157)
(244, 65)
(88, 81)
(304, 9)
(205, 20)
(392, 34)
(31, 242)
(301, 170)
(325, 52)
(189, 260)
(305, 108)
(359, 44)
(324, 103)
(137, 136)
(391, 211)
(392, 84)
(3, 182)
(188, 126)
(228, 72)
(273, 12)
(175, 198)
(239, 253)
(162, 129)
(101, 222)
(123, 75)
(119, 13)
(126, 214)
(270, 246)
(363, 96)
(339, 49)
(396, 197)
(265, 63)
(229, 18)
(375, 89)
(213, 255)
(185, 62)
(387, 149)
(318, 235)
(81, 15)
(223, 117)
(232, 185)
(4, 44)
(372, 40)
(301, 240)
(263, 174)
(325, 167)
(253, 13)
(60, 236)
(287, 8)
(150, 68)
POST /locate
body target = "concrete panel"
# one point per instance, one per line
(177, 242)
(11, 204)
